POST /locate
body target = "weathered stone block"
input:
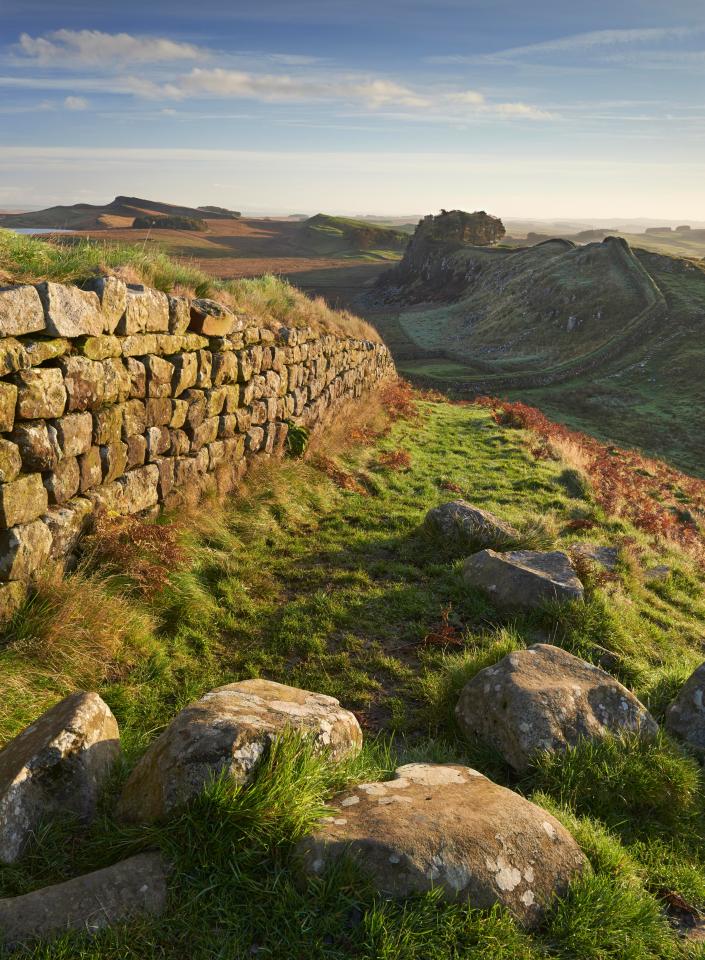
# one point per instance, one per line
(63, 482)
(107, 425)
(224, 368)
(22, 500)
(158, 411)
(196, 400)
(136, 451)
(146, 311)
(10, 460)
(227, 426)
(99, 348)
(91, 469)
(53, 768)
(204, 433)
(23, 550)
(211, 319)
(158, 442)
(112, 296)
(185, 367)
(139, 489)
(12, 595)
(215, 401)
(138, 377)
(13, 356)
(179, 314)
(118, 383)
(159, 376)
(40, 351)
(165, 466)
(66, 524)
(85, 382)
(254, 439)
(205, 364)
(134, 418)
(179, 410)
(38, 444)
(74, 432)
(70, 312)
(113, 459)
(180, 444)
(21, 311)
(139, 345)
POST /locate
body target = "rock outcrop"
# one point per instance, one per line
(544, 698)
(523, 579)
(227, 731)
(55, 768)
(129, 890)
(450, 827)
(685, 717)
(466, 527)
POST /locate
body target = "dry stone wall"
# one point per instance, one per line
(122, 398)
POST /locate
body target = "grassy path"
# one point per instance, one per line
(319, 575)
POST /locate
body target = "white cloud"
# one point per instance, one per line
(76, 48)
(75, 103)
(525, 110)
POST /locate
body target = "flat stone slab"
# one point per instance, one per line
(544, 698)
(228, 730)
(55, 768)
(523, 579)
(685, 717)
(133, 888)
(605, 557)
(448, 826)
(465, 525)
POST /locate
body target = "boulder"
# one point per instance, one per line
(449, 827)
(544, 698)
(523, 579)
(21, 311)
(685, 717)
(211, 319)
(605, 557)
(133, 888)
(463, 525)
(70, 312)
(54, 768)
(228, 730)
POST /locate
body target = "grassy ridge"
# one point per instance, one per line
(318, 574)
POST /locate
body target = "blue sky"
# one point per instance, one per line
(527, 108)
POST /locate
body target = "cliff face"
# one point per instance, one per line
(121, 398)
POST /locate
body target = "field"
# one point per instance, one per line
(319, 574)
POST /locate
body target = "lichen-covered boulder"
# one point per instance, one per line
(463, 525)
(128, 890)
(448, 827)
(523, 579)
(685, 717)
(228, 730)
(55, 768)
(544, 698)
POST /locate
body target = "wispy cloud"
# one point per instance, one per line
(76, 103)
(78, 48)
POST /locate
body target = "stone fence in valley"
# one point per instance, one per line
(122, 398)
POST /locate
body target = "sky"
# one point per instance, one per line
(524, 108)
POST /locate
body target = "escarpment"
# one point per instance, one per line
(121, 398)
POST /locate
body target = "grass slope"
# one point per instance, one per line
(319, 574)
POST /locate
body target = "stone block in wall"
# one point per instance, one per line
(66, 524)
(179, 314)
(13, 356)
(280, 435)
(159, 411)
(113, 460)
(258, 413)
(244, 419)
(215, 401)
(74, 432)
(140, 489)
(99, 348)
(134, 418)
(254, 439)
(212, 319)
(224, 369)
(112, 296)
(70, 312)
(232, 397)
(185, 367)
(180, 443)
(91, 469)
(136, 451)
(234, 448)
(216, 454)
(179, 410)
(22, 500)
(38, 443)
(41, 350)
(204, 433)
(23, 550)
(193, 341)
(21, 311)
(84, 380)
(63, 481)
(146, 311)
(12, 596)
(140, 345)
(158, 442)
(266, 363)
(118, 384)
(205, 364)
(168, 343)
(227, 426)
(10, 460)
(138, 378)
(270, 435)
(258, 385)
(165, 466)
(160, 374)
(247, 393)
(251, 335)
(107, 424)
(244, 366)
(272, 404)
(196, 400)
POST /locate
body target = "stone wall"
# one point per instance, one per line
(122, 398)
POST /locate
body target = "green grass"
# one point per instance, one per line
(303, 582)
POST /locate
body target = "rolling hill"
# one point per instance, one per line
(602, 336)
(120, 212)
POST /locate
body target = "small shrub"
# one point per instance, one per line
(296, 439)
(394, 460)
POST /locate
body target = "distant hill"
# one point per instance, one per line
(120, 212)
(332, 236)
(603, 336)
